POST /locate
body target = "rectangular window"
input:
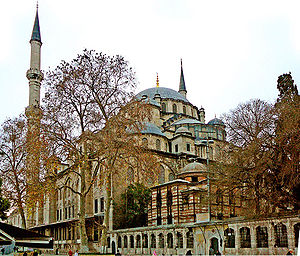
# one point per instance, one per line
(57, 215)
(96, 205)
(176, 148)
(60, 214)
(66, 213)
(73, 211)
(188, 147)
(69, 212)
(102, 204)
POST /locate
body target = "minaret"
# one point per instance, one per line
(34, 114)
(34, 74)
(182, 89)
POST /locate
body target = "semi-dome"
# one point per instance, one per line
(165, 93)
(187, 121)
(194, 167)
(216, 121)
(182, 130)
(150, 128)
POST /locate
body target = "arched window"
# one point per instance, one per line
(245, 237)
(163, 107)
(119, 242)
(138, 241)
(157, 144)
(153, 241)
(229, 238)
(179, 240)
(296, 233)
(161, 176)
(108, 242)
(219, 197)
(145, 241)
(171, 176)
(170, 240)
(144, 142)
(174, 108)
(261, 237)
(280, 235)
(184, 110)
(130, 175)
(169, 206)
(125, 242)
(161, 241)
(131, 241)
(189, 240)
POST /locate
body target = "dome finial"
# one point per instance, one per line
(157, 80)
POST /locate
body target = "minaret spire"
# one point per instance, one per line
(34, 74)
(182, 88)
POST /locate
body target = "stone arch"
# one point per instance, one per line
(179, 240)
(131, 238)
(161, 176)
(153, 241)
(158, 144)
(125, 241)
(119, 242)
(138, 241)
(245, 238)
(296, 233)
(184, 110)
(174, 108)
(229, 238)
(163, 107)
(189, 239)
(261, 237)
(161, 240)
(145, 240)
(171, 176)
(280, 235)
(170, 240)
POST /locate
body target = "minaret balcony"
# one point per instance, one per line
(34, 74)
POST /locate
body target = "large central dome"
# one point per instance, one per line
(165, 93)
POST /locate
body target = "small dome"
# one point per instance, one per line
(194, 167)
(181, 130)
(216, 121)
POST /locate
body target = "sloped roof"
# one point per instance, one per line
(23, 237)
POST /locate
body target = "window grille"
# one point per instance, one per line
(261, 237)
(245, 237)
(280, 235)
(229, 238)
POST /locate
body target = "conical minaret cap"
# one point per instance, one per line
(36, 34)
(182, 83)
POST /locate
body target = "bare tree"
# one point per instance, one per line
(88, 120)
(12, 164)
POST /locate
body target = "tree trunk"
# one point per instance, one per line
(83, 235)
(103, 242)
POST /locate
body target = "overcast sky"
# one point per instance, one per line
(232, 51)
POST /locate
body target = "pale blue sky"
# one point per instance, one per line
(232, 51)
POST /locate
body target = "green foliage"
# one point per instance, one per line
(4, 204)
(131, 210)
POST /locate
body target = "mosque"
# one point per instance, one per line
(181, 220)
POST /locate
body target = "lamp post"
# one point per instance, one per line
(206, 142)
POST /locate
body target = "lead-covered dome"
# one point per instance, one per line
(216, 121)
(165, 93)
(194, 167)
(150, 128)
